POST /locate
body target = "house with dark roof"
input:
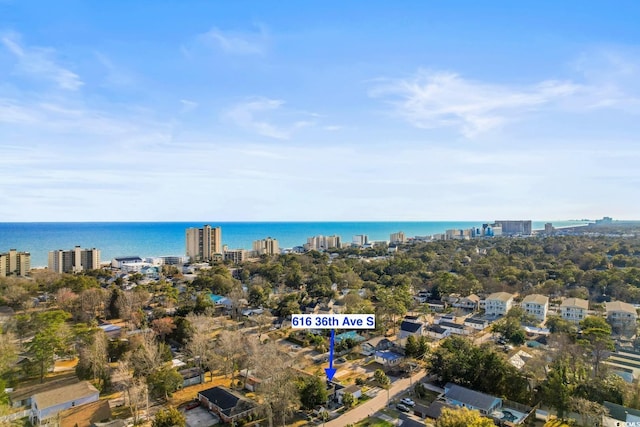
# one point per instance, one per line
(467, 398)
(476, 323)
(409, 327)
(437, 332)
(432, 411)
(48, 404)
(375, 344)
(455, 328)
(226, 403)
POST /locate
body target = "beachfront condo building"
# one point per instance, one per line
(74, 260)
(322, 243)
(14, 263)
(266, 246)
(398, 237)
(203, 244)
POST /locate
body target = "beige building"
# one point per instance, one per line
(498, 304)
(203, 243)
(74, 260)
(574, 310)
(266, 246)
(322, 243)
(621, 316)
(398, 237)
(536, 305)
(235, 255)
(15, 263)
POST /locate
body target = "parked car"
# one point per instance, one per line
(408, 402)
(402, 408)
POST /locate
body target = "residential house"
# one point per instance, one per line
(574, 310)
(48, 404)
(437, 332)
(462, 396)
(191, 376)
(375, 344)
(432, 411)
(226, 403)
(536, 305)
(22, 395)
(456, 328)
(472, 302)
(621, 316)
(620, 416)
(355, 390)
(476, 323)
(436, 305)
(498, 304)
(388, 358)
(410, 326)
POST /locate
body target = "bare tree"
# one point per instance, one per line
(134, 390)
(227, 352)
(277, 388)
(66, 299)
(93, 361)
(200, 343)
(145, 354)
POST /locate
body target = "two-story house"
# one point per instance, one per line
(498, 304)
(536, 305)
(574, 310)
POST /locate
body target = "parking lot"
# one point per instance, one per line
(200, 417)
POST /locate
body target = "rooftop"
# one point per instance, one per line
(50, 398)
(472, 398)
(575, 302)
(620, 306)
(536, 299)
(500, 296)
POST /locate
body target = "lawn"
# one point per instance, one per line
(373, 422)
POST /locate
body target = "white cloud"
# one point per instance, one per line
(40, 63)
(251, 115)
(188, 105)
(443, 99)
(236, 42)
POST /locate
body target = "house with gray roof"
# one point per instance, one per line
(467, 398)
(620, 416)
(48, 404)
(226, 403)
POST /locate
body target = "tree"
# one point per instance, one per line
(163, 326)
(169, 417)
(8, 352)
(93, 363)
(462, 417)
(511, 329)
(227, 353)
(52, 338)
(313, 392)
(596, 334)
(348, 400)
(164, 381)
(590, 412)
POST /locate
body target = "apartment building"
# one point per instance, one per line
(203, 244)
(621, 316)
(536, 305)
(398, 237)
(14, 263)
(498, 304)
(322, 243)
(574, 310)
(268, 246)
(235, 255)
(514, 228)
(74, 260)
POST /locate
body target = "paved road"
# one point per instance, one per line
(375, 404)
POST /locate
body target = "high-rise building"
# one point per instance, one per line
(548, 228)
(15, 263)
(360, 239)
(74, 260)
(511, 228)
(398, 237)
(322, 243)
(204, 243)
(266, 246)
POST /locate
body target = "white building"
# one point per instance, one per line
(360, 239)
(498, 304)
(268, 246)
(574, 310)
(322, 243)
(621, 316)
(536, 305)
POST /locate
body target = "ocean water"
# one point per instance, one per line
(168, 238)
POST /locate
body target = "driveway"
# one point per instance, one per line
(200, 417)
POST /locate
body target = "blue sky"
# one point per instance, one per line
(318, 110)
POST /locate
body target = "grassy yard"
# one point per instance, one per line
(373, 422)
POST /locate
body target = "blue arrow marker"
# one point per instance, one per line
(330, 371)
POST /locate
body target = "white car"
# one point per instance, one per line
(408, 402)
(402, 408)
